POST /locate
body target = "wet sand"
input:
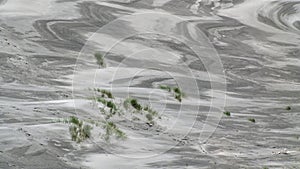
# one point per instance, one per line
(47, 67)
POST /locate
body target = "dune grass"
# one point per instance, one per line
(100, 59)
(151, 111)
(81, 130)
(109, 108)
(177, 90)
(105, 93)
(134, 103)
(126, 103)
(106, 99)
(164, 87)
(112, 106)
(178, 94)
(112, 130)
(78, 130)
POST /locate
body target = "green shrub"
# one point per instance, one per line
(227, 113)
(112, 106)
(126, 103)
(177, 90)
(112, 129)
(99, 58)
(106, 93)
(79, 131)
(135, 104)
(149, 117)
(178, 94)
(168, 88)
(101, 100)
(252, 120)
(74, 120)
(152, 112)
(146, 108)
(178, 97)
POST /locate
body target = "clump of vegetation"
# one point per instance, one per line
(227, 113)
(111, 106)
(104, 93)
(251, 120)
(81, 130)
(288, 108)
(106, 99)
(151, 111)
(149, 117)
(101, 100)
(126, 103)
(178, 97)
(134, 103)
(78, 130)
(111, 129)
(178, 94)
(164, 87)
(100, 59)
(146, 108)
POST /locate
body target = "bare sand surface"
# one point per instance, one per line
(47, 67)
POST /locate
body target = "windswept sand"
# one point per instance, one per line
(46, 51)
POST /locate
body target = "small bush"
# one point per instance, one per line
(112, 129)
(149, 117)
(74, 120)
(167, 88)
(99, 58)
(135, 104)
(146, 108)
(177, 90)
(178, 94)
(79, 131)
(101, 100)
(112, 106)
(227, 113)
(152, 112)
(106, 93)
(126, 103)
(109, 104)
(178, 97)
(251, 120)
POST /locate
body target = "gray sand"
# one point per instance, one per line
(258, 42)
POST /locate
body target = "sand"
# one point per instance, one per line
(240, 56)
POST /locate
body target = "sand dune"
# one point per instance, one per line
(240, 56)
